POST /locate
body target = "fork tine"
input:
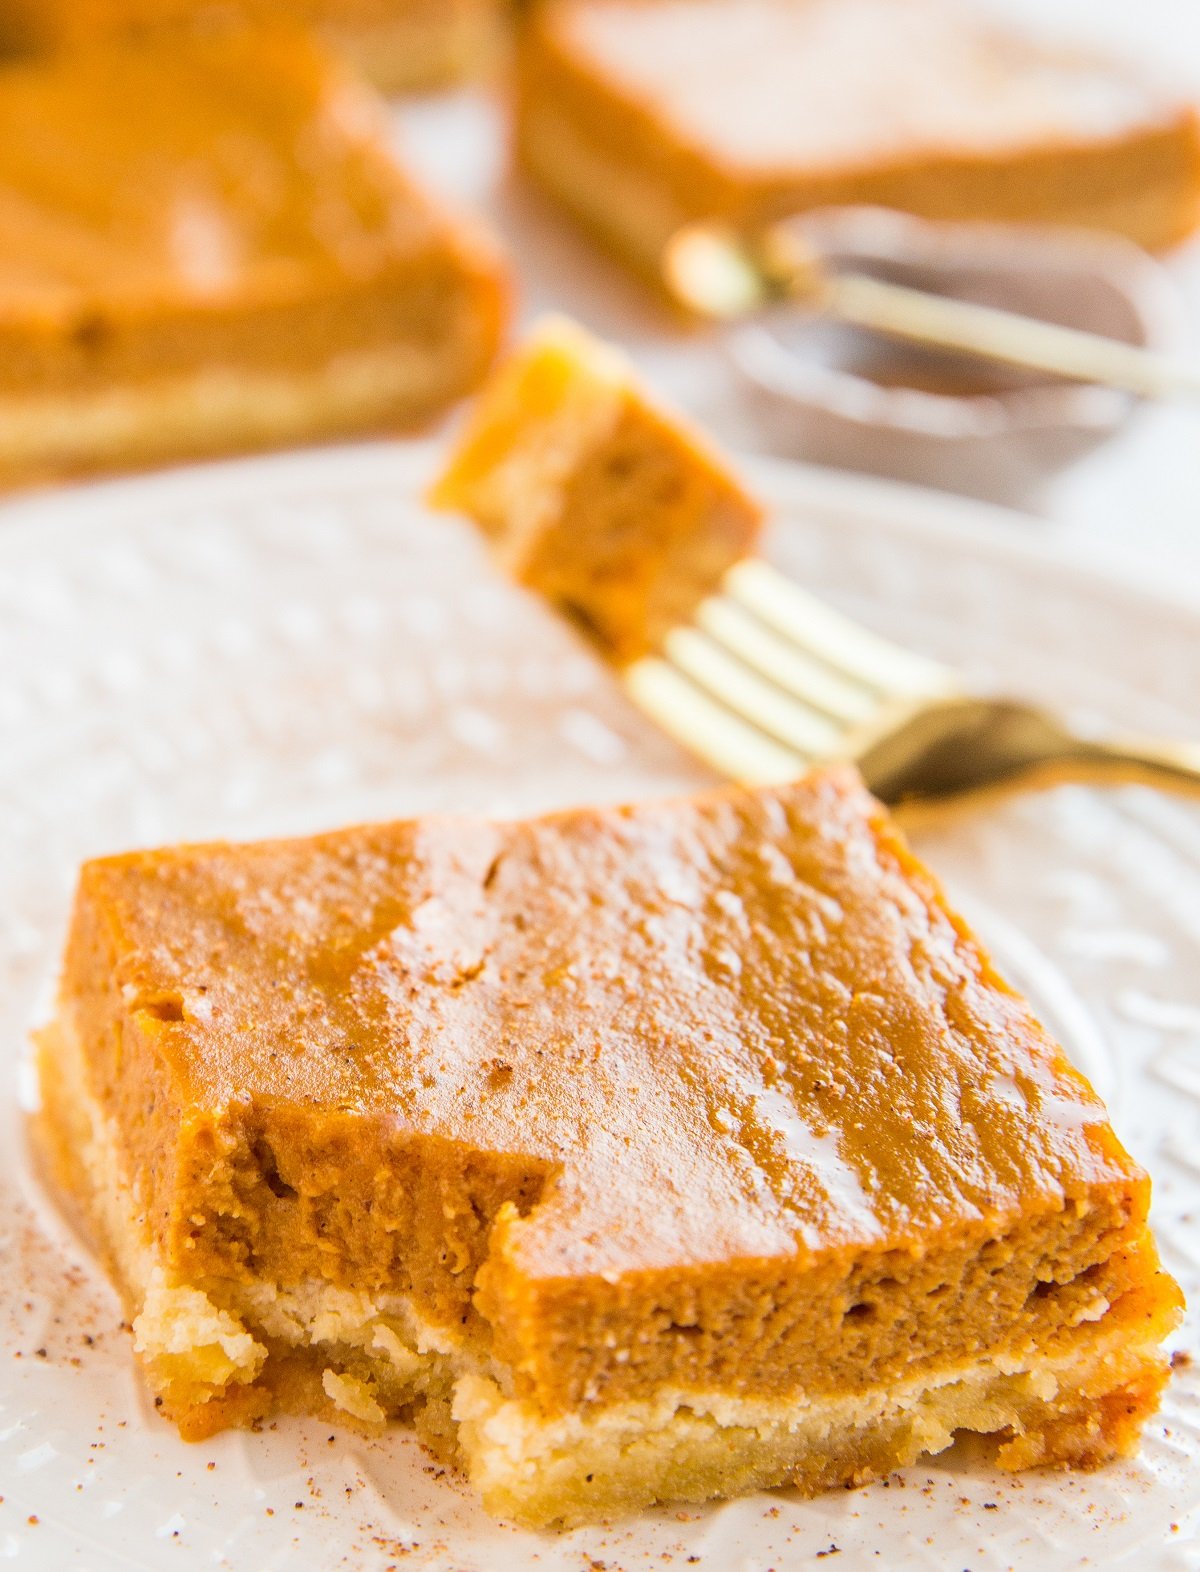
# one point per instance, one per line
(784, 663)
(852, 651)
(755, 699)
(706, 728)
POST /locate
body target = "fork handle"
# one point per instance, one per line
(1145, 761)
(914, 314)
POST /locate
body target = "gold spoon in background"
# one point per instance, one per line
(725, 274)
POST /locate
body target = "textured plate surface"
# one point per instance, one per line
(290, 643)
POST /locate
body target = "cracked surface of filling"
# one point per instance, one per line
(634, 1154)
(641, 118)
(218, 249)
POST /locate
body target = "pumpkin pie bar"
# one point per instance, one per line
(644, 115)
(209, 244)
(398, 44)
(637, 1154)
(592, 494)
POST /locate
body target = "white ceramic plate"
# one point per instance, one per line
(290, 643)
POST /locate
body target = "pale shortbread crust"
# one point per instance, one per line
(636, 216)
(379, 1358)
(218, 409)
(690, 1446)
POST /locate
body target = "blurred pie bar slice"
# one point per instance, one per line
(398, 44)
(637, 1154)
(589, 492)
(210, 245)
(641, 117)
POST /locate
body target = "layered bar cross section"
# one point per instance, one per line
(635, 1154)
(207, 243)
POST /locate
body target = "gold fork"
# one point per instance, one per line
(767, 680)
(722, 274)
(764, 680)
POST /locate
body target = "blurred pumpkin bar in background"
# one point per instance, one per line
(207, 244)
(398, 44)
(641, 116)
